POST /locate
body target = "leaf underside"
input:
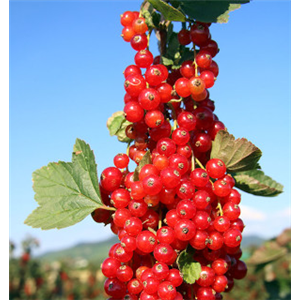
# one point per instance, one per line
(237, 154)
(66, 191)
(257, 183)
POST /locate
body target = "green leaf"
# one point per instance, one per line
(66, 192)
(237, 154)
(257, 183)
(169, 12)
(210, 10)
(117, 124)
(146, 159)
(114, 122)
(189, 268)
(167, 61)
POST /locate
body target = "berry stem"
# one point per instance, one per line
(219, 207)
(196, 66)
(108, 208)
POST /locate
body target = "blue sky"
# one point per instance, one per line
(65, 79)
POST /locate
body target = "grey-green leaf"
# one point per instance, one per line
(66, 192)
(237, 154)
(169, 12)
(257, 183)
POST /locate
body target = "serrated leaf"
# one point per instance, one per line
(189, 268)
(169, 12)
(257, 183)
(146, 159)
(114, 122)
(66, 192)
(237, 154)
(209, 11)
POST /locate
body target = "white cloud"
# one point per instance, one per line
(250, 214)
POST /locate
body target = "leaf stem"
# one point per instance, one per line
(108, 208)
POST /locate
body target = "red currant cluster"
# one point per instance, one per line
(169, 204)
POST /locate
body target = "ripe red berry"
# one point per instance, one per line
(146, 241)
(152, 184)
(139, 42)
(182, 87)
(111, 178)
(166, 290)
(143, 58)
(184, 37)
(232, 237)
(185, 229)
(114, 288)
(215, 168)
(180, 136)
(134, 84)
(207, 277)
(109, 267)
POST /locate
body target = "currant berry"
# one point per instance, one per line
(221, 188)
(203, 59)
(207, 277)
(166, 290)
(220, 283)
(133, 226)
(185, 229)
(199, 34)
(197, 86)
(154, 118)
(175, 277)
(134, 84)
(208, 78)
(232, 237)
(180, 136)
(231, 211)
(201, 220)
(111, 178)
(186, 120)
(149, 99)
(115, 288)
(160, 270)
(155, 75)
(124, 273)
(134, 286)
(215, 168)
(170, 177)
(143, 59)
(221, 223)
(165, 235)
(179, 162)
(200, 240)
(109, 267)
(139, 42)
(146, 241)
(199, 178)
(166, 146)
(182, 87)
(139, 25)
(127, 18)
(184, 37)
(120, 198)
(152, 184)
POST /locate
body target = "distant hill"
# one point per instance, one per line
(92, 252)
(252, 240)
(97, 252)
